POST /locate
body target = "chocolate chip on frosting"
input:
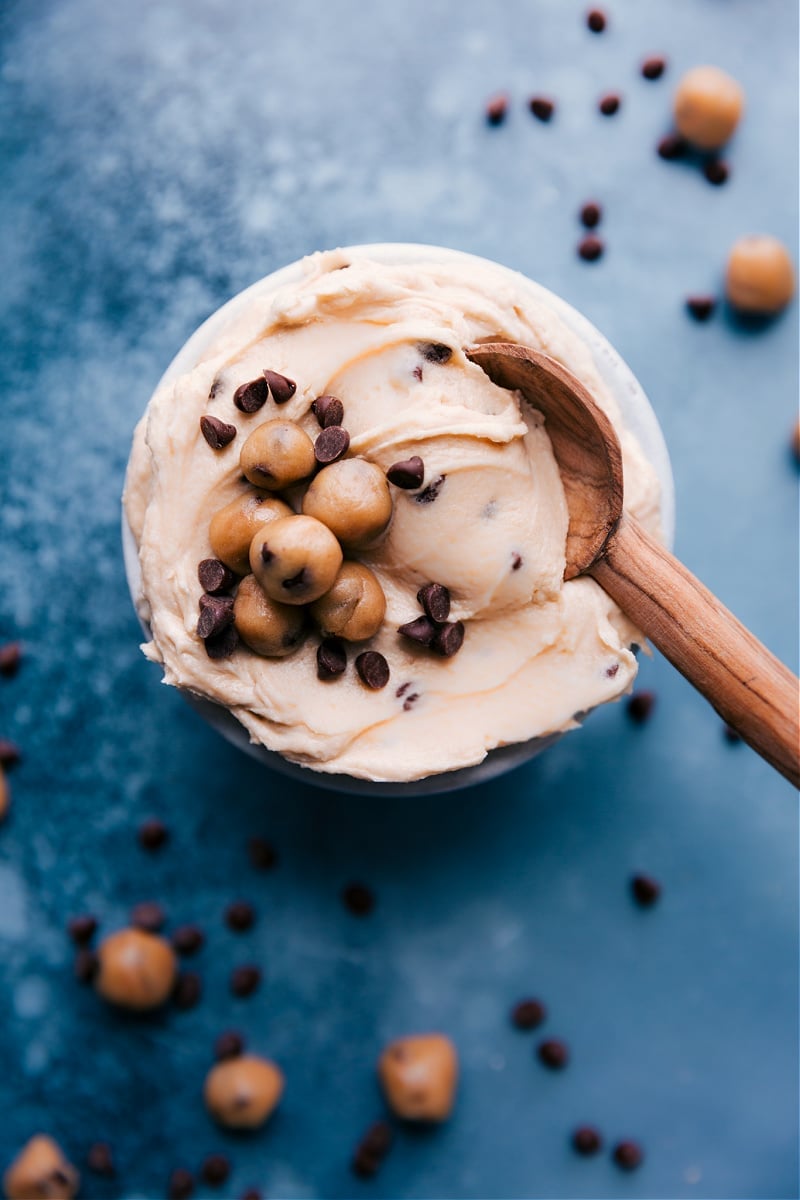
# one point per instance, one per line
(407, 474)
(216, 614)
(449, 639)
(223, 644)
(331, 658)
(331, 445)
(328, 410)
(276, 455)
(281, 388)
(250, 397)
(295, 559)
(421, 630)
(373, 669)
(435, 352)
(431, 492)
(435, 599)
(217, 433)
(215, 578)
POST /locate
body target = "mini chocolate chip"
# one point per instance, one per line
(716, 171)
(10, 753)
(215, 389)
(654, 67)
(410, 701)
(435, 599)
(188, 939)
(673, 146)
(401, 691)
(331, 445)
(215, 1170)
(328, 410)
(263, 854)
(527, 1014)
(435, 352)
(245, 979)
(497, 109)
(331, 658)
(358, 899)
(609, 104)
(541, 107)
(373, 669)
(82, 929)
(187, 991)
(553, 1053)
(628, 1155)
(701, 307)
(596, 20)
(430, 493)
(611, 671)
(216, 432)
(449, 639)
(417, 372)
(215, 577)
(282, 389)
(216, 614)
(732, 735)
(591, 247)
(181, 1184)
(591, 214)
(586, 1140)
(516, 561)
(240, 916)
(250, 397)
(99, 1159)
(371, 1150)
(640, 706)
(645, 890)
(223, 645)
(421, 630)
(85, 965)
(10, 658)
(407, 474)
(149, 915)
(152, 834)
(229, 1044)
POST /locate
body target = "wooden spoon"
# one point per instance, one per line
(747, 685)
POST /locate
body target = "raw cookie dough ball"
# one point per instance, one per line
(41, 1172)
(354, 607)
(271, 629)
(243, 1092)
(708, 104)
(135, 969)
(277, 454)
(296, 559)
(352, 498)
(232, 528)
(760, 275)
(419, 1075)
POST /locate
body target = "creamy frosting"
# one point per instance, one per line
(490, 522)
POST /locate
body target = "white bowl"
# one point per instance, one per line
(637, 415)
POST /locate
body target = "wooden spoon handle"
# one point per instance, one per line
(747, 685)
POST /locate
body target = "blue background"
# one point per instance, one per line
(156, 158)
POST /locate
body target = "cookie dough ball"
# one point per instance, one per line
(233, 528)
(270, 629)
(136, 969)
(243, 1092)
(760, 275)
(708, 104)
(41, 1172)
(354, 607)
(276, 455)
(295, 560)
(419, 1076)
(352, 498)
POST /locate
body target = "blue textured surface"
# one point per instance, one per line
(157, 157)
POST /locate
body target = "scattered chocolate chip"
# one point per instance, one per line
(553, 1053)
(10, 658)
(410, 701)
(640, 706)
(645, 890)
(187, 991)
(216, 432)
(591, 214)
(449, 639)
(435, 599)
(407, 474)
(331, 445)
(516, 561)
(609, 104)
(421, 630)
(527, 1014)
(240, 916)
(732, 735)
(263, 854)
(654, 67)
(188, 939)
(215, 1170)
(180, 1185)
(99, 1159)
(596, 20)
(371, 1150)
(152, 834)
(358, 899)
(628, 1155)
(587, 1140)
(223, 645)
(215, 577)
(229, 1044)
(435, 352)
(216, 614)
(591, 247)
(430, 493)
(541, 107)
(10, 753)
(282, 389)
(245, 980)
(82, 929)
(250, 397)
(328, 410)
(85, 965)
(149, 916)
(716, 171)
(497, 109)
(331, 658)
(373, 669)
(701, 307)
(673, 146)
